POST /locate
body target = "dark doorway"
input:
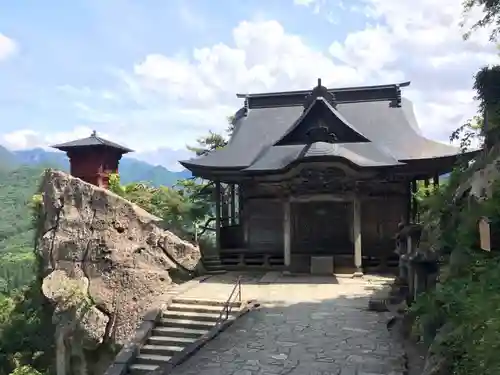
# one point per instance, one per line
(321, 228)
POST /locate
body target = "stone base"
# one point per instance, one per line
(322, 265)
(357, 274)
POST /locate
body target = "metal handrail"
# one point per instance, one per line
(227, 305)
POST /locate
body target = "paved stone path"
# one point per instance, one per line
(304, 326)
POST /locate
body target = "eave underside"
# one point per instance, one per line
(420, 169)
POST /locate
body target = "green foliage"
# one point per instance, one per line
(208, 143)
(16, 270)
(212, 141)
(491, 16)
(468, 133)
(26, 331)
(16, 191)
(467, 297)
(17, 188)
(25, 370)
(181, 207)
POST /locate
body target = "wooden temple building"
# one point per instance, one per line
(93, 159)
(320, 178)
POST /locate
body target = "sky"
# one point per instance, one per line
(155, 75)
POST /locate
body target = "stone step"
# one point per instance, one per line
(152, 359)
(205, 257)
(217, 272)
(211, 260)
(193, 301)
(212, 264)
(171, 340)
(179, 332)
(185, 323)
(213, 267)
(141, 369)
(197, 308)
(193, 315)
(162, 350)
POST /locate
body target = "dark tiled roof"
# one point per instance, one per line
(361, 154)
(392, 131)
(93, 140)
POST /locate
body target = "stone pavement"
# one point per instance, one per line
(305, 326)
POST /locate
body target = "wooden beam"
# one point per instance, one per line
(322, 197)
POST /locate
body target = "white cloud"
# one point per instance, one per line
(7, 47)
(27, 138)
(262, 57)
(421, 42)
(172, 101)
(168, 101)
(410, 41)
(165, 156)
(304, 2)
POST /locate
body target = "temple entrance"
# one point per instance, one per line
(321, 228)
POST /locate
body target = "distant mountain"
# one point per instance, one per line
(7, 159)
(131, 170)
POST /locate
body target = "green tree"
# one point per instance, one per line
(491, 12)
(207, 144)
(25, 370)
(212, 141)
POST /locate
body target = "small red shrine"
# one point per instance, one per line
(93, 159)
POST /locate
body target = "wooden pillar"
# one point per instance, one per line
(217, 197)
(435, 180)
(414, 204)
(408, 215)
(233, 205)
(240, 202)
(287, 229)
(224, 199)
(356, 234)
(426, 184)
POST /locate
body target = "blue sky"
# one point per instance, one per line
(156, 74)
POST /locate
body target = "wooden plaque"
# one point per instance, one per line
(484, 233)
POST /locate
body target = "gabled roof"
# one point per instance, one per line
(387, 121)
(320, 101)
(91, 141)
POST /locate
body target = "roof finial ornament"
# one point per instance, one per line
(320, 92)
(94, 133)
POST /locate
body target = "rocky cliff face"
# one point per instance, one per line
(106, 262)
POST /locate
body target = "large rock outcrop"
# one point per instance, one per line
(106, 262)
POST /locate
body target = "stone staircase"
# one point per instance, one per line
(185, 322)
(213, 265)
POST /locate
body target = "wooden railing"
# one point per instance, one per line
(226, 310)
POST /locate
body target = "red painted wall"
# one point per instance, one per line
(94, 164)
